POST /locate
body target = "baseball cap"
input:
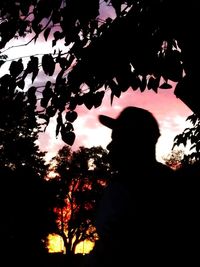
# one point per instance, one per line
(133, 119)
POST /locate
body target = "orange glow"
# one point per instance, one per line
(55, 244)
(84, 247)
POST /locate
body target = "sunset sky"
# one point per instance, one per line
(170, 112)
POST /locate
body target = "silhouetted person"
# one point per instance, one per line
(188, 207)
(135, 217)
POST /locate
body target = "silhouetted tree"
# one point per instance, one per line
(143, 45)
(81, 177)
(190, 137)
(25, 197)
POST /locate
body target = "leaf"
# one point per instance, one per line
(193, 139)
(35, 73)
(32, 67)
(5, 80)
(73, 103)
(24, 7)
(153, 84)
(71, 116)
(48, 64)
(44, 102)
(174, 67)
(165, 86)
(54, 42)
(47, 92)
(69, 127)
(46, 33)
(36, 28)
(21, 84)
(16, 67)
(50, 111)
(31, 93)
(98, 99)
(88, 100)
(58, 35)
(192, 118)
(114, 88)
(59, 124)
(63, 62)
(135, 82)
(143, 84)
(59, 119)
(68, 137)
(117, 6)
(56, 16)
(111, 98)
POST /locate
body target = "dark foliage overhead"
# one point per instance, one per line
(145, 46)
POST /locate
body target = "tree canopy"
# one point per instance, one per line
(144, 45)
(24, 196)
(141, 44)
(81, 178)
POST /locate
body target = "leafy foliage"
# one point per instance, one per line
(25, 196)
(190, 136)
(81, 177)
(144, 45)
(26, 219)
(18, 126)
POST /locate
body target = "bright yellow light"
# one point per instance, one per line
(84, 247)
(55, 244)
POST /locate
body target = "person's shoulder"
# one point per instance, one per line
(165, 170)
(164, 167)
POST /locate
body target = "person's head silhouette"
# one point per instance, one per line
(136, 203)
(134, 136)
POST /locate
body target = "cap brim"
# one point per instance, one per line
(107, 121)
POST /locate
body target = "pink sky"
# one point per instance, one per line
(170, 112)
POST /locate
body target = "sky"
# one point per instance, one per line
(170, 112)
